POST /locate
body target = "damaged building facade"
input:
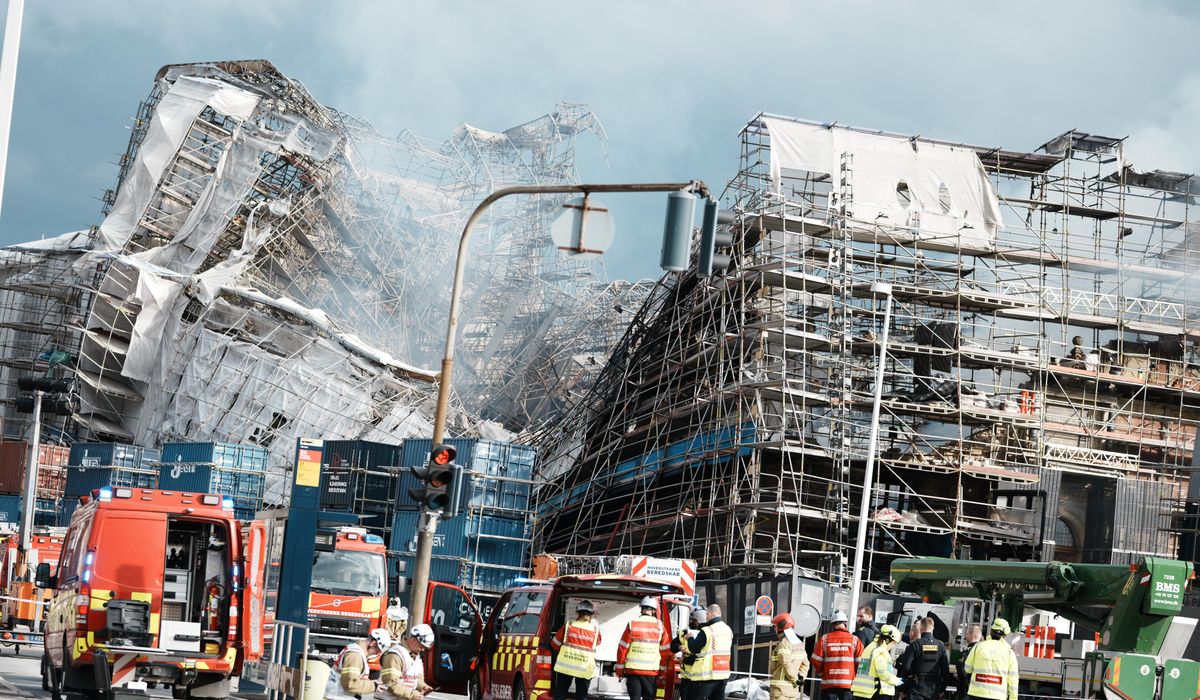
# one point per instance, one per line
(270, 268)
(1041, 390)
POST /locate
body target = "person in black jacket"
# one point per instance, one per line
(971, 637)
(867, 629)
(925, 665)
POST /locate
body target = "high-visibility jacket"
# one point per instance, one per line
(402, 673)
(576, 643)
(789, 663)
(643, 646)
(835, 659)
(351, 675)
(686, 669)
(712, 664)
(875, 673)
(992, 667)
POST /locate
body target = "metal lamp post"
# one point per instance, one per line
(860, 549)
(428, 524)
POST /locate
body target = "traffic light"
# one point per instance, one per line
(441, 481)
(677, 234)
(711, 239)
(57, 399)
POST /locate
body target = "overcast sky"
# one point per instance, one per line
(672, 82)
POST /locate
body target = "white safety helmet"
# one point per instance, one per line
(381, 637)
(838, 616)
(648, 602)
(423, 634)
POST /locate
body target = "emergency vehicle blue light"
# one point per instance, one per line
(227, 503)
(87, 575)
(374, 539)
(106, 494)
(91, 557)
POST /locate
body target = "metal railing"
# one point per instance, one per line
(283, 680)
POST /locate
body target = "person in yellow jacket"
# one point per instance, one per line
(992, 666)
(789, 663)
(575, 644)
(402, 670)
(876, 676)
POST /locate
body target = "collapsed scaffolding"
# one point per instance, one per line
(270, 268)
(1041, 389)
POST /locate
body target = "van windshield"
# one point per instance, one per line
(343, 572)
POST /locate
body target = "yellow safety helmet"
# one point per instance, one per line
(890, 633)
(1001, 625)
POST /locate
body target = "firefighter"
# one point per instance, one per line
(402, 672)
(575, 643)
(687, 660)
(876, 677)
(835, 657)
(641, 651)
(992, 666)
(351, 672)
(926, 664)
(397, 618)
(789, 663)
(713, 647)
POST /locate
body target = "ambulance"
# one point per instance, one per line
(153, 586)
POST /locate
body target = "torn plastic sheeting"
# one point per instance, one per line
(949, 191)
(182, 102)
(158, 297)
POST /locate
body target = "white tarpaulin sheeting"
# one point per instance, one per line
(938, 191)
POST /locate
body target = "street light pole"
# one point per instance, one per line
(860, 549)
(428, 521)
(31, 474)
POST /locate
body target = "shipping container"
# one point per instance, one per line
(342, 461)
(112, 454)
(10, 508)
(81, 481)
(13, 457)
(481, 539)
(210, 478)
(223, 454)
(46, 512)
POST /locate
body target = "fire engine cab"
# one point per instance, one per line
(22, 605)
(348, 595)
(153, 587)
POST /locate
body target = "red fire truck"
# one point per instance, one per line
(153, 587)
(22, 605)
(349, 588)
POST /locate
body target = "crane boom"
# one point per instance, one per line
(1130, 606)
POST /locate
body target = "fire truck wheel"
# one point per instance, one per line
(474, 688)
(519, 691)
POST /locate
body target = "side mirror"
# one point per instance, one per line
(43, 578)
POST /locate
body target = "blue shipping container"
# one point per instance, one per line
(81, 481)
(487, 540)
(222, 454)
(209, 478)
(486, 457)
(10, 509)
(104, 454)
(46, 512)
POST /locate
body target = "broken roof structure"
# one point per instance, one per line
(270, 268)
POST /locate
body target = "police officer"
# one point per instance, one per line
(876, 676)
(789, 663)
(992, 666)
(351, 677)
(641, 651)
(576, 643)
(402, 672)
(925, 664)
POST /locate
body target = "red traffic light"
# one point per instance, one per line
(442, 455)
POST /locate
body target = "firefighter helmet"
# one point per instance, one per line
(890, 633)
(422, 633)
(700, 615)
(838, 616)
(648, 602)
(1001, 625)
(381, 637)
(783, 621)
(585, 607)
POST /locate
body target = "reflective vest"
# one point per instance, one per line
(788, 662)
(641, 648)
(992, 666)
(686, 670)
(333, 689)
(875, 673)
(577, 656)
(835, 659)
(712, 664)
(399, 671)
